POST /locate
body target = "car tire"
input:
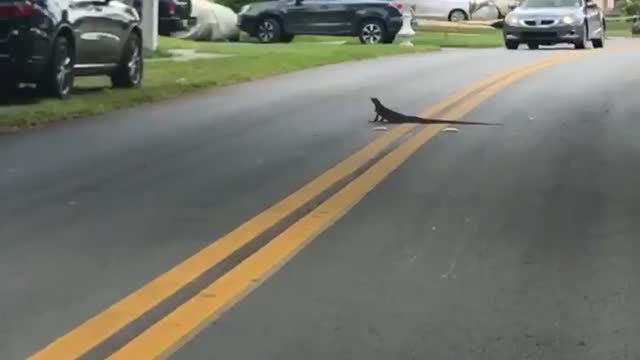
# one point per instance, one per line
(58, 79)
(129, 72)
(511, 45)
(269, 31)
(598, 43)
(582, 43)
(8, 88)
(287, 38)
(533, 46)
(458, 15)
(372, 31)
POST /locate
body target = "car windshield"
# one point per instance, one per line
(550, 3)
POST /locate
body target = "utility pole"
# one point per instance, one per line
(150, 24)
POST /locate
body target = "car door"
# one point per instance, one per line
(440, 9)
(114, 24)
(424, 8)
(319, 17)
(593, 14)
(297, 16)
(334, 17)
(85, 18)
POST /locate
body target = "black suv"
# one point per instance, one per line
(48, 42)
(173, 15)
(373, 21)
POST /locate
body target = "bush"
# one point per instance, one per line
(629, 7)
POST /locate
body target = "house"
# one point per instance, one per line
(605, 5)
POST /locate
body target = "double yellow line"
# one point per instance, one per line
(165, 336)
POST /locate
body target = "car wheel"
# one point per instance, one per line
(287, 38)
(372, 32)
(511, 45)
(128, 74)
(269, 31)
(533, 46)
(58, 80)
(458, 15)
(582, 42)
(598, 43)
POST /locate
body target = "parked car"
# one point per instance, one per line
(173, 15)
(51, 41)
(491, 9)
(549, 22)
(372, 21)
(446, 10)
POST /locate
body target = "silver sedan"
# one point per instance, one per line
(549, 22)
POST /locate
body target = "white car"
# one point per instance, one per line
(451, 10)
(459, 10)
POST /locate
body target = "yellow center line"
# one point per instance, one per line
(167, 335)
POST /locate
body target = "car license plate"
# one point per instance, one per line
(189, 22)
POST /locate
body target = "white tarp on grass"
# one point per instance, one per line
(214, 22)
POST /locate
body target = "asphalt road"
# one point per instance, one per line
(491, 243)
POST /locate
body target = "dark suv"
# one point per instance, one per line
(373, 21)
(48, 42)
(173, 15)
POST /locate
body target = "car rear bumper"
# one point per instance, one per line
(248, 24)
(173, 24)
(394, 25)
(18, 60)
(543, 35)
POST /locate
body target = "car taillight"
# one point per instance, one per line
(18, 9)
(396, 5)
(172, 7)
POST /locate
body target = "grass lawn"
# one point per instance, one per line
(167, 79)
(433, 36)
(619, 28)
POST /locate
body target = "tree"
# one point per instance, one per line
(630, 7)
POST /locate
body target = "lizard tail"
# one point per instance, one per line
(454, 122)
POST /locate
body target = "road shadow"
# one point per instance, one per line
(89, 90)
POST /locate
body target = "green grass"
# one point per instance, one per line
(434, 36)
(159, 53)
(169, 79)
(459, 37)
(619, 28)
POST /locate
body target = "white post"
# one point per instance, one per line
(406, 32)
(150, 24)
